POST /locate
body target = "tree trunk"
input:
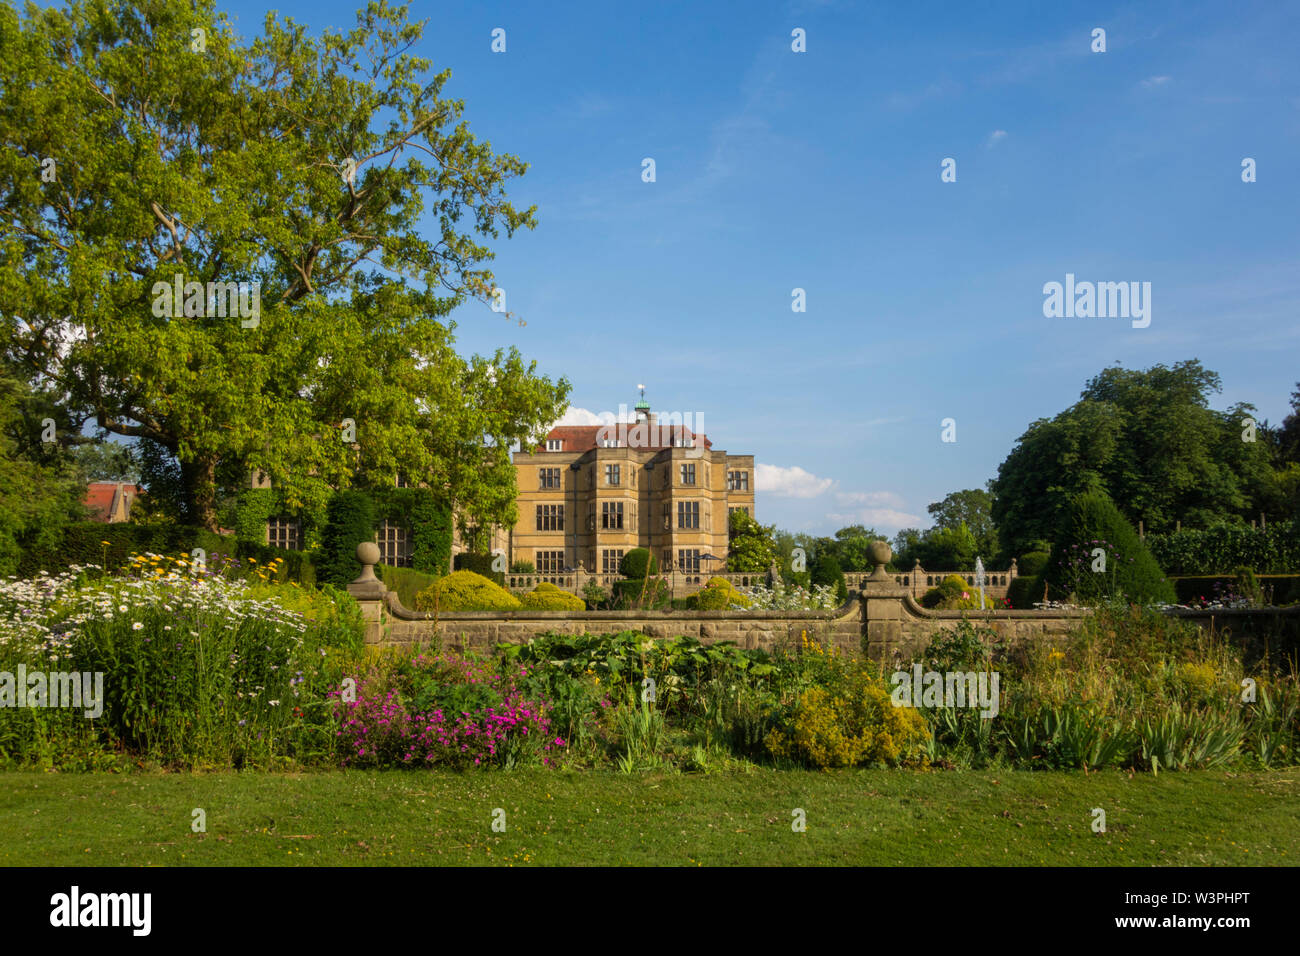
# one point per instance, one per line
(200, 482)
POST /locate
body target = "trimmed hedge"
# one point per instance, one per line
(405, 582)
(465, 591)
(547, 597)
(1092, 521)
(349, 520)
(480, 564)
(718, 595)
(1190, 590)
(82, 543)
(1222, 549)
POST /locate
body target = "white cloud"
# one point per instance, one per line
(582, 416)
(1153, 81)
(995, 137)
(870, 498)
(792, 482)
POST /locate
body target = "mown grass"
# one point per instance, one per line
(857, 817)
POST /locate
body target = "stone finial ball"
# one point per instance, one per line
(368, 552)
(880, 552)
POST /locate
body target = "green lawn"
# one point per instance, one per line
(865, 817)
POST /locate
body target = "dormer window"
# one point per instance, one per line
(554, 444)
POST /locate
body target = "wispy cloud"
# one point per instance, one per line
(885, 520)
(995, 137)
(1151, 82)
(870, 498)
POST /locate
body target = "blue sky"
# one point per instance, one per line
(820, 170)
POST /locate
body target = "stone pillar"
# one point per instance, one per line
(882, 608)
(370, 592)
(580, 579)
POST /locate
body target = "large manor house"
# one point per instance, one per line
(590, 493)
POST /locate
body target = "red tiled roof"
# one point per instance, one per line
(582, 438)
(100, 497)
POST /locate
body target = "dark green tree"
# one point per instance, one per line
(1150, 440)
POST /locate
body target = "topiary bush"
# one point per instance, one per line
(638, 563)
(718, 595)
(954, 594)
(466, 591)
(1094, 535)
(1022, 592)
(547, 597)
(349, 520)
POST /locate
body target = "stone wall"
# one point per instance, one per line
(881, 619)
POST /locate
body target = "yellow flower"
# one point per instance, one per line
(106, 543)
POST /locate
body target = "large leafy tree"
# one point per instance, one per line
(972, 507)
(145, 141)
(1150, 441)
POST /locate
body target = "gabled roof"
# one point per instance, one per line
(104, 499)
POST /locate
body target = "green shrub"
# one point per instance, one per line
(1023, 592)
(595, 595)
(349, 520)
(480, 564)
(1093, 522)
(523, 567)
(826, 571)
(547, 597)
(466, 591)
(1032, 563)
(638, 563)
(848, 722)
(954, 594)
(717, 595)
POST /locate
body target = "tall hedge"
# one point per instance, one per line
(82, 543)
(1092, 521)
(1274, 549)
(349, 520)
